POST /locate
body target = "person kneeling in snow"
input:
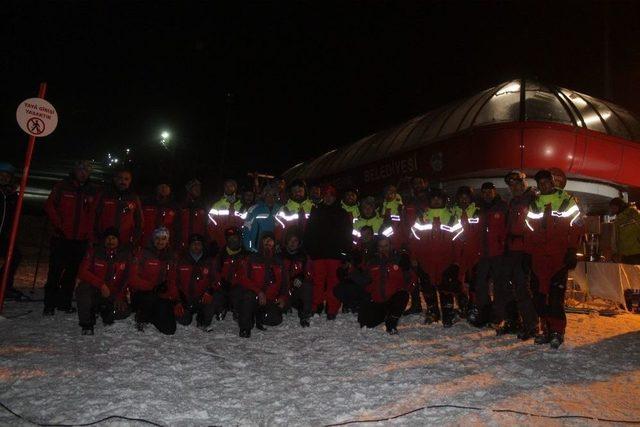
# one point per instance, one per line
(196, 286)
(152, 298)
(300, 285)
(102, 283)
(259, 288)
(391, 278)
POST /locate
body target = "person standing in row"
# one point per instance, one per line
(119, 206)
(71, 209)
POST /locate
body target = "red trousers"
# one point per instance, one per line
(325, 278)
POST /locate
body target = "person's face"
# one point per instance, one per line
(350, 198)
(195, 190)
(230, 187)
(316, 193)
(293, 244)
(614, 209)
(282, 184)
(269, 198)
(110, 242)
(464, 200)
(123, 180)
(268, 244)
(418, 184)
(436, 202)
(517, 187)
(488, 194)
(366, 234)
(367, 210)
(248, 197)
(234, 242)
(195, 247)
(81, 175)
(163, 191)
(297, 193)
(329, 198)
(160, 242)
(384, 248)
(5, 178)
(391, 193)
(546, 186)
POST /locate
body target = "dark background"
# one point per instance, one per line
(286, 81)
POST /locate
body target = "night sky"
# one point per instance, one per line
(304, 77)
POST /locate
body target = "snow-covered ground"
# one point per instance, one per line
(329, 373)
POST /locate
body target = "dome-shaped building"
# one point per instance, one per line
(520, 124)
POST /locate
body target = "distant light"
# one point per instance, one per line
(128, 150)
(115, 160)
(165, 135)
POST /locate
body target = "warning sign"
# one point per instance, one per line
(37, 117)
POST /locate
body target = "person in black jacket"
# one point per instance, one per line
(327, 240)
(8, 201)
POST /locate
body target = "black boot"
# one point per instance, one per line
(431, 316)
(506, 327)
(304, 322)
(449, 316)
(48, 311)
(475, 318)
(87, 331)
(245, 333)
(542, 338)
(526, 335)
(320, 309)
(555, 340)
(391, 323)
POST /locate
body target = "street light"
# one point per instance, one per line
(165, 135)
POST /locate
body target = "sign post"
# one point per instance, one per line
(37, 118)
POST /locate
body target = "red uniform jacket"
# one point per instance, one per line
(122, 211)
(387, 278)
(432, 247)
(109, 267)
(192, 219)
(516, 227)
(71, 209)
(259, 273)
(226, 266)
(549, 239)
(155, 216)
(151, 268)
(191, 278)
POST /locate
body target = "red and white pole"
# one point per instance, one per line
(16, 216)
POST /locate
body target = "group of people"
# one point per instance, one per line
(473, 256)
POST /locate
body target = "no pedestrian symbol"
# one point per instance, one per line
(35, 125)
(37, 117)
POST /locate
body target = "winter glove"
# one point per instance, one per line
(571, 259)
(206, 299)
(178, 310)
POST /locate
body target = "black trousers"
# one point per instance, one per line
(447, 293)
(372, 314)
(351, 294)
(513, 285)
(150, 308)
(91, 302)
(203, 312)
(301, 299)
(488, 269)
(64, 260)
(15, 262)
(245, 302)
